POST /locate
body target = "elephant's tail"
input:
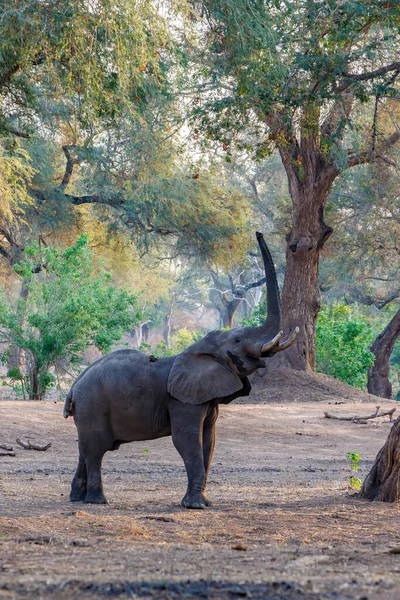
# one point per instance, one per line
(68, 407)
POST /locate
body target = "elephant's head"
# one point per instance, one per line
(216, 366)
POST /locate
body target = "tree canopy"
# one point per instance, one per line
(166, 131)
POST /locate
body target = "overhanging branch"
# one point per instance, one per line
(367, 156)
(373, 74)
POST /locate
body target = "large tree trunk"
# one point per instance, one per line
(36, 391)
(226, 308)
(15, 358)
(301, 296)
(167, 327)
(228, 314)
(383, 481)
(378, 375)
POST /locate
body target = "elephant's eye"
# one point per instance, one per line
(237, 341)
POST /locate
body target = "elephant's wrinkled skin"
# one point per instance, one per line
(129, 396)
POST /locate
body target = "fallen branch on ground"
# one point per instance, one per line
(7, 453)
(6, 447)
(356, 418)
(29, 446)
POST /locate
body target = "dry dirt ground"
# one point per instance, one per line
(284, 525)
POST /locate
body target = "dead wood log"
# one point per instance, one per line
(7, 453)
(383, 481)
(6, 447)
(360, 418)
(29, 446)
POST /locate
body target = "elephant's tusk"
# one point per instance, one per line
(290, 341)
(267, 347)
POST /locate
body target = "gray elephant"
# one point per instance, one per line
(129, 396)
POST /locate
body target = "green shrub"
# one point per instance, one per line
(72, 303)
(343, 339)
(257, 317)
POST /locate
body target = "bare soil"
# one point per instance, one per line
(284, 524)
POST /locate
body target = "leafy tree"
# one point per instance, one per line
(71, 304)
(292, 76)
(230, 287)
(83, 62)
(87, 89)
(343, 338)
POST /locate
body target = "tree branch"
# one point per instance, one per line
(373, 74)
(249, 286)
(18, 133)
(367, 156)
(69, 167)
(340, 110)
(4, 253)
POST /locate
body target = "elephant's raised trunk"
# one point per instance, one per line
(271, 324)
(265, 340)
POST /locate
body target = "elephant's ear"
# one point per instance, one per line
(196, 378)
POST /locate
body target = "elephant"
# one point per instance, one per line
(129, 396)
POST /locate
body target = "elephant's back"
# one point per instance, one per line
(127, 363)
(121, 379)
(127, 390)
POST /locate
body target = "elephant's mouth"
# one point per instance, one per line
(239, 364)
(258, 362)
(251, 365)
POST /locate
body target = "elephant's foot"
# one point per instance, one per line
(77, 495)
(95, 498)
(195, 501)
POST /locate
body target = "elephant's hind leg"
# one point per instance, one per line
(95, 494)
(87, 484)
(79, 482)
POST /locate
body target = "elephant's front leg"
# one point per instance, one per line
(187, 435)
(209, 444)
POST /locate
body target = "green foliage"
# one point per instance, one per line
(161, 350)
(180, 340)
(354, 458)
(290, 59)
(258, 315)
(15, 380)
(16, 173)
(71, 304)
(83, 61)
(342, 343)
(89, 88)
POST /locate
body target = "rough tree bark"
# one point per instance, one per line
(311, 172)
(378, 375)
(15, 358)
(228, 313)
(383, 481)
(167, 327)
(36, 391)
(310, 180)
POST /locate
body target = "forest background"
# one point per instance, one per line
(143, 143)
